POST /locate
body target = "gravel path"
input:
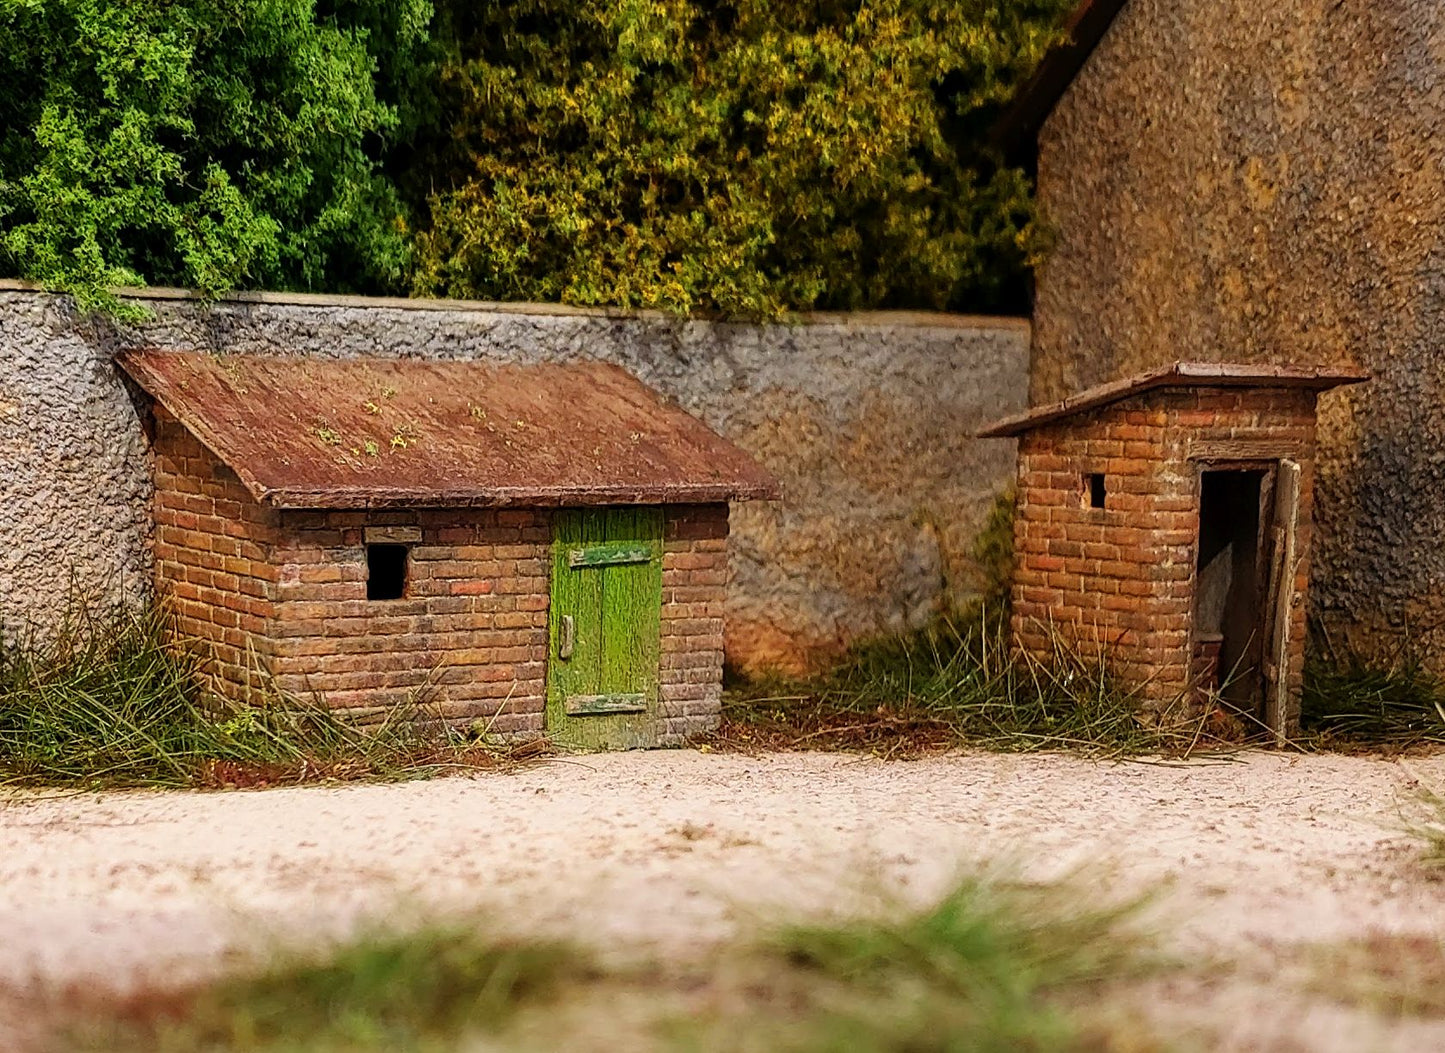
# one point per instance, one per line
(673, 850)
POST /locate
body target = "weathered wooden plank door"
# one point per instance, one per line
(605, 628)
(1280, 601)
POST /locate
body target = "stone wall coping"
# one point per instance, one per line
(847, 319)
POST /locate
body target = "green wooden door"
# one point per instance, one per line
(605, 628)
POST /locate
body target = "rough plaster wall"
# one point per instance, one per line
(74, 486)
(866, 421)
(1251, 182)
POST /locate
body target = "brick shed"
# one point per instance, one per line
(534, 549)
(1164, 521)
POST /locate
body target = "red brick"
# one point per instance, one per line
(1134, 561)
(474, 587)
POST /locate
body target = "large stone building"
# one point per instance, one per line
(1236, 182)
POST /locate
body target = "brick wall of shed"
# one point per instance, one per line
(277, 600)
(1119, 581)
(694, 590)
(470, 637)
(212, 559)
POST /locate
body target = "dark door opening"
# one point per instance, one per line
(1231, 587)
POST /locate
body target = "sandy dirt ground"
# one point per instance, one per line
(671, 851)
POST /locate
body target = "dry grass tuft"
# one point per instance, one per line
(956, 682)
(1354, 701)
(112, 700)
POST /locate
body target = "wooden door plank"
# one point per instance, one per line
(1287, 499)
(608, 554)
(577, 596)
(617, 625)
(609, 697)
(646, 651)
(634, 601)
(591, 599)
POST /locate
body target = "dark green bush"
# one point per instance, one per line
(203, 143)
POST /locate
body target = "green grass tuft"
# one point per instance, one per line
(107, 697)
(1425, 822)
(113, 700)
(1355, 699)
(993, 965)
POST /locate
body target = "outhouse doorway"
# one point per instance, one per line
(1244, 586)
(606, 628)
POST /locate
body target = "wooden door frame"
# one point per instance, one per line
(1283, 596)
(1277, 555)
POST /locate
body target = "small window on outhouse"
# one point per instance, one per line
(1094, 490)
(385, 572)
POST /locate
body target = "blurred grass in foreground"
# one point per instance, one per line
(993, 965)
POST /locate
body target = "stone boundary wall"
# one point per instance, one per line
(867, 420)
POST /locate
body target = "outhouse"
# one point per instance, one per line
(1163, 524)
(532, 549)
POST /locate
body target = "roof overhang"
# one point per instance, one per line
(303, 432)
(1176, 375)
(1017, 129)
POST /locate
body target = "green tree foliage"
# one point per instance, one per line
(204, 143)
(739, 156)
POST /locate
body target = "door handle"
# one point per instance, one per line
(566, 637)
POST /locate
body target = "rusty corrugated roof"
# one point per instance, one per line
(360, 433)
(1177, 375)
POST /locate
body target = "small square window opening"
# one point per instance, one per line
(385, 572)
(1094, 489)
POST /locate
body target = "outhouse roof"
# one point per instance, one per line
(374, 432)
(1177, 375)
